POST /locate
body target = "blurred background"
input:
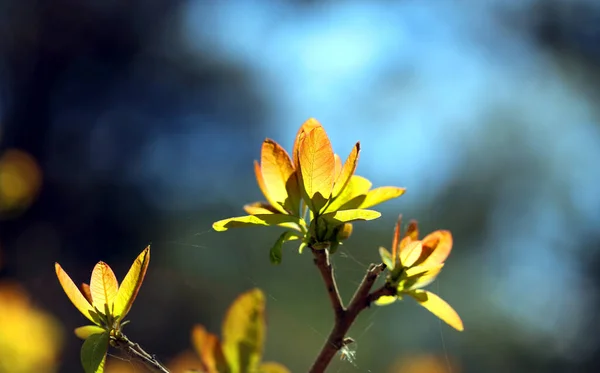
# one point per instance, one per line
(124, 124)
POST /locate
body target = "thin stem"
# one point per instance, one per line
(344, 317)
(324, 265)
(135, 350)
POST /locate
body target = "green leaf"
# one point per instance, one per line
(244, 332)
(93, 353)
(272, 367)
(84, 332)
(250, 220)
(275, 255)
(386, 258)
(343, 216)
(438, 307)
(380, 195)
(351, 196)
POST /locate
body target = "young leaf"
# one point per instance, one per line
(86, 291)
(317, 166)
(84, 332)
(250, 220)
(131, 284)
(346, 172)
(73, 292)
(411, 253)
(386, 258)
(93, 353)
(352, 195)
(438, 307)
(258, 208)
(380, 195)
(244, 332)
(306, 127)
(344, 216)
(209, 348)
(103, 286)
(384, 300)
(275, 254)
(264, 188)
(276, 167)
(271, 367)
(436, 247)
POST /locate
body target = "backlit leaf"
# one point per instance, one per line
(350, 215)
(264, 189)
(380, 195)
(352, 195)
(244, 332)
(436, 247)
(275, 254)
(385, 300)
(338, 166)
(438, 307)
(386, 258)
(209, 348)
(343, 177)
(411, 253)
(306, 127)
(103, 286)
(317, 166)
(93, 353)
(73, 292)
(272, 367)
(253, 220)
(396, 238)
(276, 167)
(84, 332)
(131, 284)
(258, 208)
(413, 230)
(421, 276)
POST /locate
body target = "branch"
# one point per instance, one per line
(135, 350)
(322, 262)
(344, 317)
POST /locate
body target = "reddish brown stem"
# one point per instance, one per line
(344, 317)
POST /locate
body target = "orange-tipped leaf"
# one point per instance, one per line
(343, 177)
(317, 166)
(131, 284)
(73, 292)
(103, 286)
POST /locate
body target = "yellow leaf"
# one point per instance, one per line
(261, 219)
(436, 247)
(244, 332)
(84, 332)
(103, 286)
(73, 292)
(338, 165)
(272, 367)
(276, 167)
(386, 258)
(264, 189)
(343, 177)
(131, 284)
(352, 195)
(380, 195)
(344, 216)
(385, 300)
(317, 167)
(421, 276)
(410, 253)
(438, 307)
(258, 208)
(306, 127)
(209, 348)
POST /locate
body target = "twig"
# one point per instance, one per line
(135, 350)
(345, 317)
(322, 262)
